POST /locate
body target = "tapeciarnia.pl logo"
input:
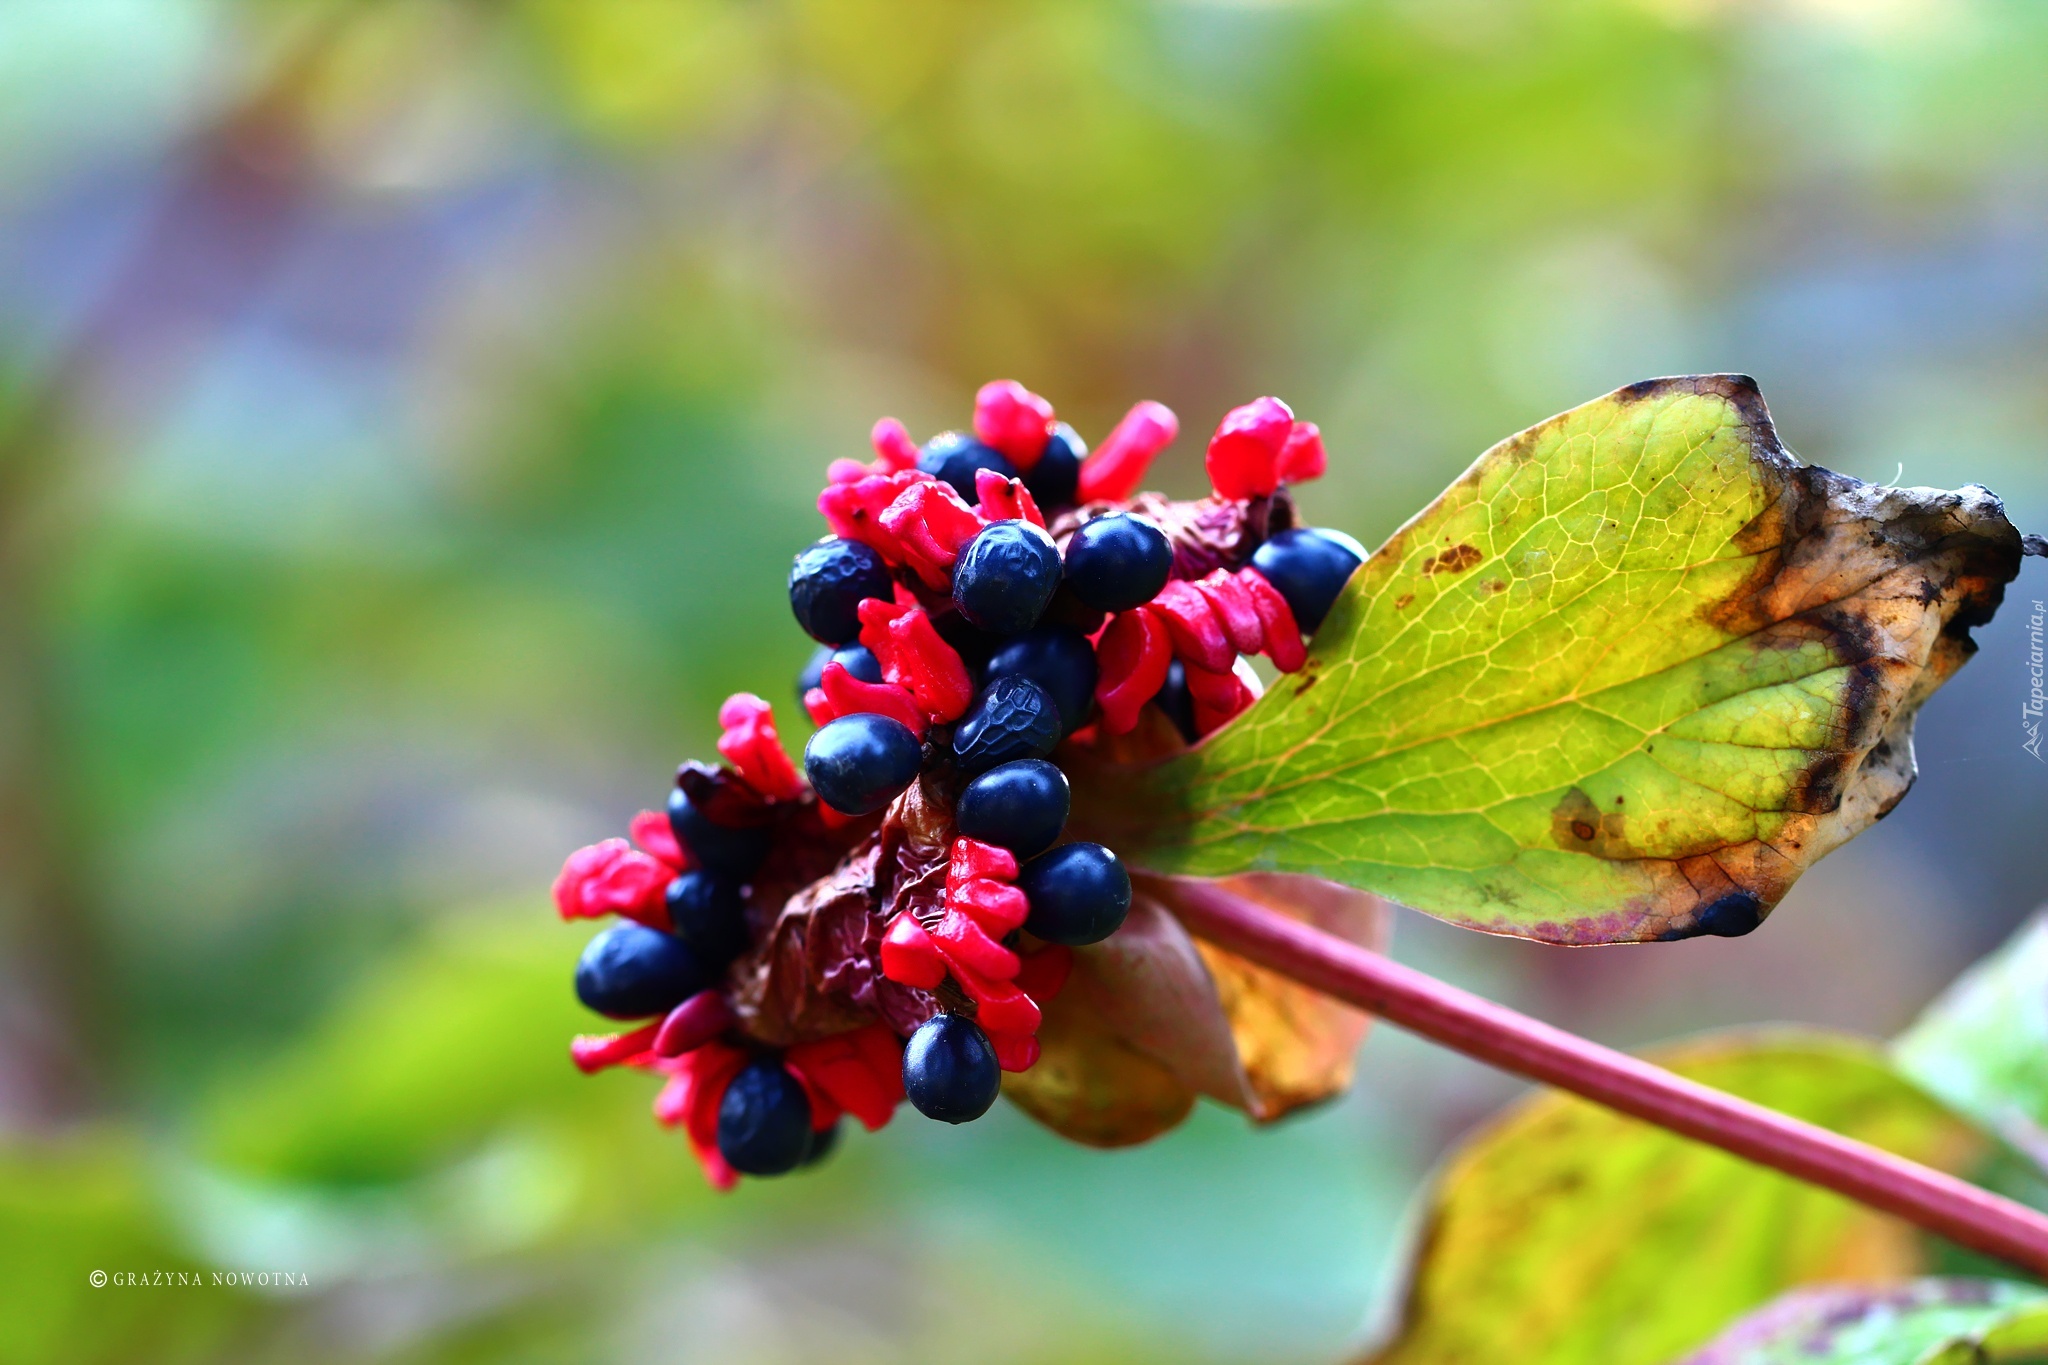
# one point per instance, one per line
(2037, 696)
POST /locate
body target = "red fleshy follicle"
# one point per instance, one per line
(1115, 470)
(1302, 458)
(913, 656)
(1244, 454)
(819, 709)
(965, 944)
(931, 523)
(692, 1024)
(753, 748)
(1005, 499)
(854, 510)
(593, 1052)
(894, 450)
(1015, 1051)
(1276, 618)
(651, 830)
(839, 693)
(697, 1082)
(1192, 623)
(849, 471)
(859, 1072)
(981, 907)
(1217, 697)
(999, 1007)
(1132, 659)
(909, 956)
(614, 878)
(1014, 420)
(978, 878)
(968, 859)
(1235, 609)
(1044, 974)
(995, 906)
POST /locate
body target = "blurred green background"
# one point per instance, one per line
(407, 413)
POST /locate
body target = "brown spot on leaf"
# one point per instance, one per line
(1578, 824)
(1457, 559)
(1401, 602)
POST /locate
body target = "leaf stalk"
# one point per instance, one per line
(1955, 1209)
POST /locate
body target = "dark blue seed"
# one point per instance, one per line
(1060, 660)
(1006, 576)
(1118, 562)
(1310, 567)
(949, 1069)
(631, 972)
(827, 583)
(764, 1121)
(860, 763)
(954, 456)
(1013, 718)
(1177, 702)
(1079, 893)
(1055, 481)
(706, 913)
(732, 853)
(856, 659)
(822, 1145)
(813, 670)
(1021, 806)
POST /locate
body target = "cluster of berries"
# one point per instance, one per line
(981, 601)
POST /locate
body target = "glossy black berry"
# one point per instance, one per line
(1176, 701)
(828, 582)
(1079, 893)
(705, 912)
(954, 456)
(856, 659)
(1118, 562)
(1006, 576)
(813, 670)
(859, 763)
(1060, 660)
(949, 1069)
(1310, 567)
(731, 853)
(822, 1145)
(1055, 481)
(764, 1121)
(1021, 806)
(1013, 718)
(632, 972)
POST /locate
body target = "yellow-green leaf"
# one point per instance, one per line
(1928, 1322)
(1624, 680)
(1566, 1234)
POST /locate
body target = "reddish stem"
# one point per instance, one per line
(1514, 1042)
